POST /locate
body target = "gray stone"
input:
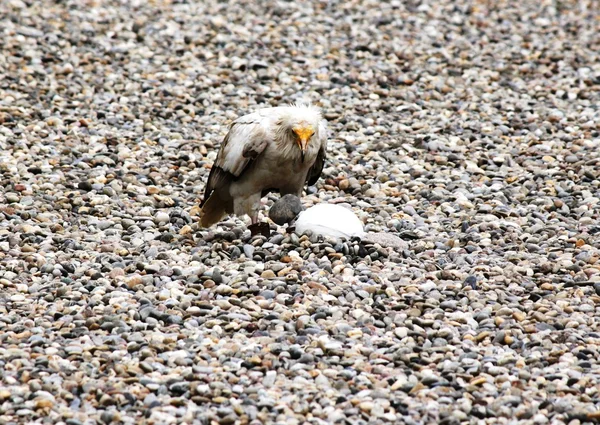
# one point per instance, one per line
(285, 209)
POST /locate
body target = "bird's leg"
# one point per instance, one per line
(250, 204)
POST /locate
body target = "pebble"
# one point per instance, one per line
(285, 209)
(387, 240)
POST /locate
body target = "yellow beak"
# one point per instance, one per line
(304, 134)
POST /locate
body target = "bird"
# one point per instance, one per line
(278, 149)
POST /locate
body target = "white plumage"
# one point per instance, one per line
(273, 149)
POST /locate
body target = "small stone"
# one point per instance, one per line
(114, 273)
(269, 379)
(133, 281)
(216, 275)
(162, 217)
(268, 274)
(519, 316)
(366, 406)
(471, 282)
(285, 209)
(85, 185)
(344, 184)
(12, 198)
(258, 64)
(387, 240)
(249, 250)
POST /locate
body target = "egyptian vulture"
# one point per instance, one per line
(273, 149)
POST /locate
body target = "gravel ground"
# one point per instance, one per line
(468, 129)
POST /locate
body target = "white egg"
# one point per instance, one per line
(330, 220)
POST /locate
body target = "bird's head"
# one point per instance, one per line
(303, 132)
(300, 124)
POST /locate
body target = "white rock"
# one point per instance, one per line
(329, 220)
(162, 217)
(269, 379)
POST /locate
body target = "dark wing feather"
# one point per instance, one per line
(216, 178)
(315, 171)
(317, 168)
(245, 141)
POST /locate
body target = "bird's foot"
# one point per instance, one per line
(260, 229)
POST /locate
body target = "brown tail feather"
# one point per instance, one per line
(213, 210)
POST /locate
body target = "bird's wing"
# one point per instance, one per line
(246, 140)
(315, 171)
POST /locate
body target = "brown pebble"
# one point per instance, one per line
(414, 312)
(268, 274)
(594, 415)
(344, 184)
(478, 380)
(185, 230)
(519, 316)
(482, 335)
(116, 273)
(284, 271)
(317, 285)
(134, 281)
(44, 403)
